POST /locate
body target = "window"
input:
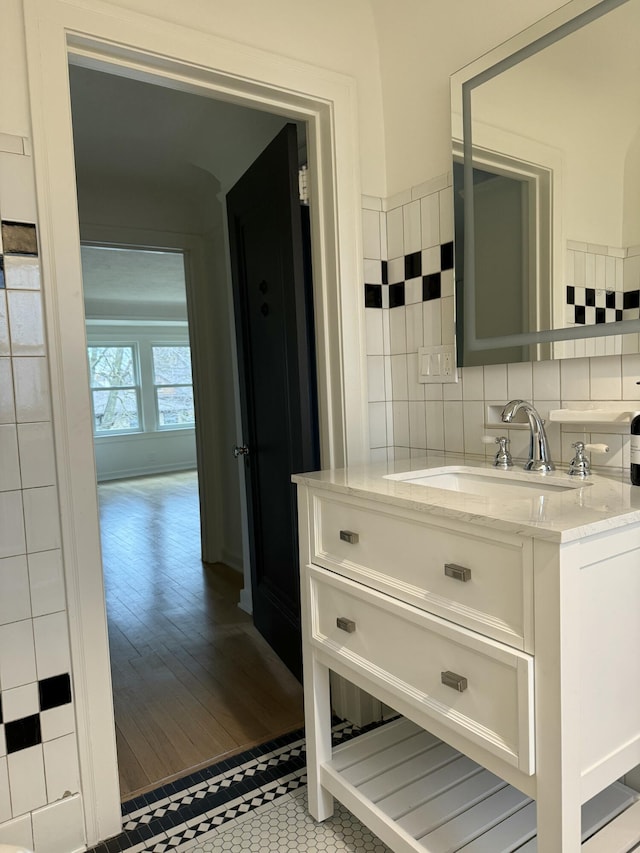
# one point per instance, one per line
(115, 389)
(142, 385)
(173, 386)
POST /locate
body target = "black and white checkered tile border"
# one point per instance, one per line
(392, 294)
(182, 811)
(592, 306)
(26, 731)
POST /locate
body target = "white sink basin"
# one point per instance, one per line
(491, 483)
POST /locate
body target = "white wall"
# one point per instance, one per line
(332, 34)
(423, 42)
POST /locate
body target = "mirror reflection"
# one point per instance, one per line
(552, 260)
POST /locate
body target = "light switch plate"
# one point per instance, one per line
(437, 364)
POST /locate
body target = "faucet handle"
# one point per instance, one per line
(580, 465)
(503, 456)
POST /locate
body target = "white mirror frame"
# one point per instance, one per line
(548, 31)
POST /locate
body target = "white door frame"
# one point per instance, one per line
(102, 36)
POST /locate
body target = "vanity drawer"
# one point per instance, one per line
(403, 649)
(483, 582)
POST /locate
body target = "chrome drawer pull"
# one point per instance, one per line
(348, 536)
(458, 573)
(345, 624)
(452, 679)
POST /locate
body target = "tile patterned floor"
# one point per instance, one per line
(255, 801)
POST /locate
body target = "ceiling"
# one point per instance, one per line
(151, 134)
(133, 283)
(134, 138)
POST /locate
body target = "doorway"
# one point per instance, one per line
(185, 660)
(143, 47)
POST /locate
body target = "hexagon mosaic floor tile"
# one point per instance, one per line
(255, 801)
(287, 826)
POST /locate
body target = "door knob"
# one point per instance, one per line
(242, 450)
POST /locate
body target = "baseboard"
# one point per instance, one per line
(245, 602)
(127, 473)
(231, 559)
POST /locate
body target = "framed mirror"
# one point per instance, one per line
(546, 151)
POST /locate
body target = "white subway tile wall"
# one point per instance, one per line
(38, 746)
(453, 417)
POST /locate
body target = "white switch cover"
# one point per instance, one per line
(437, 364)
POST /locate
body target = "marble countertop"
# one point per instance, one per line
(601, 502)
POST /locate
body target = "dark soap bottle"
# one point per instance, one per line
(635, 451)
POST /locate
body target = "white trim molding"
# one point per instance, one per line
(101, 36)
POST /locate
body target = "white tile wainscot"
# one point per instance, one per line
(500, 633)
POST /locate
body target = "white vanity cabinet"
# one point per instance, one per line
(511, 654)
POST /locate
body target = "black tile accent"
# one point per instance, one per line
(23, 733)
(114, 845)
(610, 298)
(385, 272)
(413, 265)
(571, 295)
(431, 286)
(54, 691)
(446, 256)
(601, 315)
(631, 299)
(373, 295)
(2, 281)
(618, 315)
(590, 297)
(19, 238)
(396, 295)
(580, 314)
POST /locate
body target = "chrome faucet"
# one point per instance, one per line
(539, 459)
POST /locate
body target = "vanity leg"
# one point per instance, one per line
(315, 676)
(559, 819)
(317, 714)
(557, 699)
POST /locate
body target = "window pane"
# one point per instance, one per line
(175, 406)
(172, 365)
(111, 366)
(115, 410)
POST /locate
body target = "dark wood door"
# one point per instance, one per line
(274, 327)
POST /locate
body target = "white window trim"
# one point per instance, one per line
(137, 387)
(158, 426)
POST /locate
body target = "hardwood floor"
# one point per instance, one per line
(192, 678)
